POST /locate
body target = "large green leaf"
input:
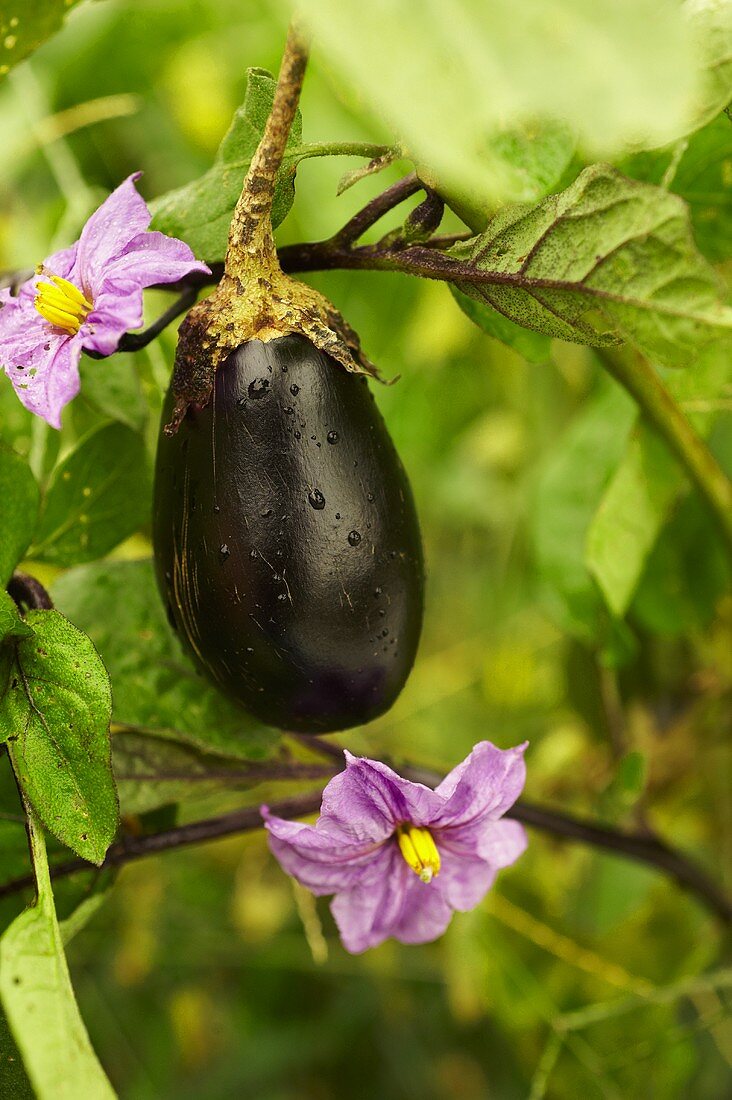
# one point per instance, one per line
(155, 771)
(698, 170)
(645, 487)
(608, 259)
(710, 26)
(567, 494)
(25, 25)
(200, 212)
(11, 624)
(19, 496)
(39, 1001)
(113, 388)
(448, 76)
(534, 346)
(55, 709)
(155, 687)
(97, 497)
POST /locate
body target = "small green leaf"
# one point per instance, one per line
(39, 1001)
(55, 708)
(532, 345)
(606, 260)
(156, 688)
(25, 25)
(98, 496)
(11, 624)
(19, 496)
(645, 487)
(200, 212)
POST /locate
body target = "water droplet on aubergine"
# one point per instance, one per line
(311, 655)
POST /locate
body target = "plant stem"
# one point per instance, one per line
(637, 846)
(635, 374)
(342, 149)
(251, 243)
(374, 210)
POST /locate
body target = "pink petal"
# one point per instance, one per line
(368, 800)
(49, 377)
(317, 859)
(485, 784)
(425, 912)
(367, 914)
(154, 258)
(463, 880)
(117, 310)
(109, 231)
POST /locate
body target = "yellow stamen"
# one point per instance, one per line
(62, 303)
(419, 850)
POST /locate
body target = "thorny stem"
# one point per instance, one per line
(641, 847)
(251, 243)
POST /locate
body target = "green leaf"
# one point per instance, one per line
(645, 487)
(685, 575)
(14, 1083)
(98, 496)
(154, 771)
(200, 212)
(11, 624)
(113, 388)
(534, 156)
(710, 25)
(39, 1001)
(532, 345)
(608, 259)
(575, 60)
(155, 686)
(698, 169)
(55, 709)
(19, 496)
(567, 493)
(25, 25)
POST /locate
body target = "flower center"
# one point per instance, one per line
(419, 850)
(61, 303)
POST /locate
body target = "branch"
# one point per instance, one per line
(636, 846)
(372, 212)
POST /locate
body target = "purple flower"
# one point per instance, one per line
(400, 857)
(86, 296)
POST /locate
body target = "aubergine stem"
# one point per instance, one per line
(251, 242)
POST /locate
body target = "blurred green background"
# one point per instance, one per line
(205, 974)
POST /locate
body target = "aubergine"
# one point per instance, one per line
(287, 545)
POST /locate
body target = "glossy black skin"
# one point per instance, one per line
(255, 500)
